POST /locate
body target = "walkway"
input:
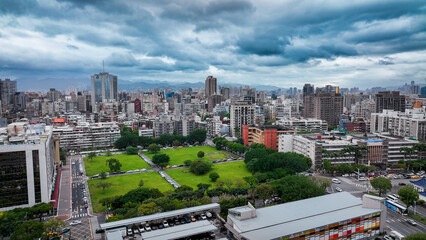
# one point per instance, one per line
(64, 206)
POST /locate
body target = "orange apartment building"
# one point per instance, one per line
(267, 135)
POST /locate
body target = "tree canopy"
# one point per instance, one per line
(161, 160)
(114, 164)
(263, 160)
(381, 184)
(200, 167)
(408, 194)
(297, 187)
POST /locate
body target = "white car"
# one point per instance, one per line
(147, 227)
(165, 223)
(143, 169)
(129, 232)
(362, 179)
(141, 229)
(335, 180)
(203, 216)
(75, 223)
(339, 189)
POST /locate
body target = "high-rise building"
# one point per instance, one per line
(390, 101)
(327, 106)
(7, 91)
(241, 114)
(27, 165)
(53, 95)
(104, 87)
(211, 86)
(423, 92)
(225, 93)
(212, 101)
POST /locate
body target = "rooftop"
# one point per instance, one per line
(289, 218)
(180, 231)
(157, 216)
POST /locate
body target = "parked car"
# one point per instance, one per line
(182, 220)
(165, 223)
(171, 222)
(141, 229)
(147, 227)
(203, 216)
(177, 222)
(208, 214)
(160, 226)
(193, 218)
(401, 184)
(129, 232)
(99, 230)
(186, 218)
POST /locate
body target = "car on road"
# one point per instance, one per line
(335, 180)
(65, 230)
(362, 179)
(412, 222)
(339, 189)
(402, 184)
(76, 222)
(345, 175)
(100, 230)
(86, 206)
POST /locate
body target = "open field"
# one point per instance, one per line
(123, 184)
(128, 162)
(229, 170)
(179, 155)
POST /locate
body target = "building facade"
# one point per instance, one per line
(390, 100)
(242, 114)
(104, 88)
(210, 86)
(27, 165)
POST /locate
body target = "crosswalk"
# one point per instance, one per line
(79, 215)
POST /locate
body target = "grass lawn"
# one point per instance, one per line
(128, 162)
(123, 184)
(229, 170)
(180, 155)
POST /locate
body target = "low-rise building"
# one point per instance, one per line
(85, 135)
(332, 216)
(303, 125)
(267, 135)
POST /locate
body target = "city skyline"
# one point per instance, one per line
(243, 42)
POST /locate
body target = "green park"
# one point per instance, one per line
(120, 185)
(179, 155)
(128, 162)
(229, 170)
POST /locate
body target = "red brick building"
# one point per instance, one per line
(267, 135)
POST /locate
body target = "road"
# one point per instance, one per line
(394, 220)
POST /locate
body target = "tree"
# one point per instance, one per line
(103, 175)
(28, 230)
(252, 181)
(114, 164)
(141, 183)
(416, 236)
(184, 188)
(132, 150)
(54, 225)
(176, 143)
(296, 187)
(187, 163)
(264, 191)
(228, 183)
(154, 148)
(203, 186)
(198, 135)
(214, 176)
(161, 160)
(200, 167)
(148, 208)
(104, 185)
(91, 155)
(200, 154)
(39, 209)
(219, 184)
(408, 194)
(381, 184)
(239, 182)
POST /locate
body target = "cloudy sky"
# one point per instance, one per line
(282, 43)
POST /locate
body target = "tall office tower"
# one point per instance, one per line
(390, 100)
(104, 87)
(242, 114)
(211, 86)
(81, 100)
(308, 89)
(326, 106)
(224, 91)
(7, 91)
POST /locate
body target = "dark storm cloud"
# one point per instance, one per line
(193, 37)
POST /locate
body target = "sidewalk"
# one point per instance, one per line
(64, 200)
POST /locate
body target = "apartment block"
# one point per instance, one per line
(242, 114)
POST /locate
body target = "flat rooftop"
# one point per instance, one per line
(158, 216)
(180, 231)
(289, 218)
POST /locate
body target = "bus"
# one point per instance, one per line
(396, 235)
(396, 207)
